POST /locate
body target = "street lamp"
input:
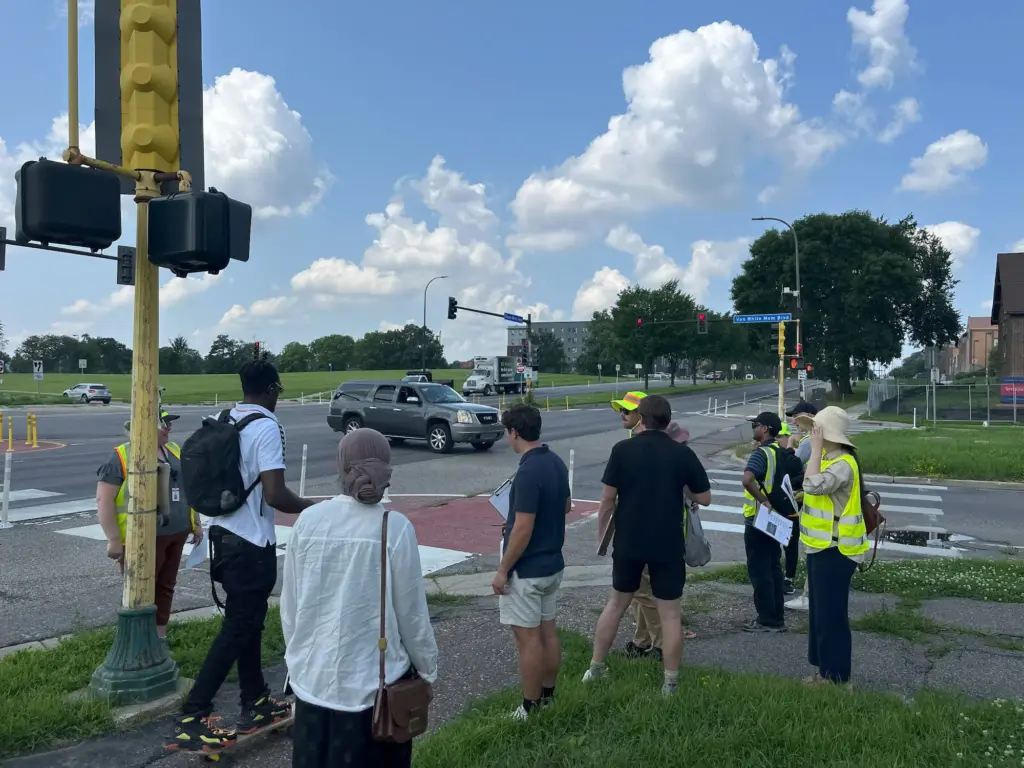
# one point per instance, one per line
(423, 341)
(796, 252)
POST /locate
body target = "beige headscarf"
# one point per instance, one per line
(364, 464)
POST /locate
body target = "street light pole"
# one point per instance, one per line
(423, 340)
(799, 307)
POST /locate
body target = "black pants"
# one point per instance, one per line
(829, 642)
(793, 550)
(325, 738)
(248, 574)
(764, 567)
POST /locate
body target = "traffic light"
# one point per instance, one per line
(453, 307)
(62, 204)
(792, 363)
(702, 323)
(198, 231)
(3, 248)
(125, 265)
(256, 351)
(799, 350)
(782, 339)
(809, 367)
(639, 325)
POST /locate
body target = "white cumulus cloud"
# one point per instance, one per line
(905, 113)
(173, 291)
(881, 33)
(699, 111)
(960, 239)
(945, 163)
(598, 293)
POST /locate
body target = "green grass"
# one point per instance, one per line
(997, 581)
(857, 397)
(898, 623)
(34, 684)
(974, 453)
(722, 719)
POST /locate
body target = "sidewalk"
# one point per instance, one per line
(974, 648)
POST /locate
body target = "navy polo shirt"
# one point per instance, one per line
(540, 488)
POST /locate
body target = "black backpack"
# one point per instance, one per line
(211, 466)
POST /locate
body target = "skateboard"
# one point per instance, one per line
(224, 752)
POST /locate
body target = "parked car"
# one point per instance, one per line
(407, 410)
(749, 377)
(86, 393)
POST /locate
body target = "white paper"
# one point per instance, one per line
(499, 499)
(198, 554)
(775, 525)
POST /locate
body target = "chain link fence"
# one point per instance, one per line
(942, 402)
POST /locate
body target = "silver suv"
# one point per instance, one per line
(406, 410)
(86, 393)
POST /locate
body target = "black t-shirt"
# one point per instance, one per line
(540, 488)
(649, 472)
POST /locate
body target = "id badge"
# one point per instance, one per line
(175, 495)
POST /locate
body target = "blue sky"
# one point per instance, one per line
(543, 156)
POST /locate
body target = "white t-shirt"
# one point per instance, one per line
(330, 604)
(262, 447)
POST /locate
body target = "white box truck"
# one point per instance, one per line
(492, 375)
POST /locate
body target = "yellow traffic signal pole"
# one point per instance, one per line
(782, 370)
(138, 667)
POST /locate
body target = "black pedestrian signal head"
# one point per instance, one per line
(198, 231)
(453, 307)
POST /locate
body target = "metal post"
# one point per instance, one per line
(782, 370)
(302, 471)
(572, 466)
(970, 416)
(915, 418)
(988, 399)
(4, 523)
(423, 340)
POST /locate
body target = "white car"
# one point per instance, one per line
(749, 377)
(86, 393)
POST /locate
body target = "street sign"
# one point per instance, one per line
(37, 370)
(801, 375)
(82, 363)
(776, 318)
(618, 367)
(598, 367)
(513, 318)
(733, 367)
(520, 369)
(638, 366)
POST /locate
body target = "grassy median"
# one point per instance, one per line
(970, 453)
(725, 720)
(34, 685)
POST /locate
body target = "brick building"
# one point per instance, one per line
(1008, 313)
(975, 345)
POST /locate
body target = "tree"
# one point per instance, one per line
(179, 358)
(294, 357)
(912, 365)
(933, 320)
(548, 352)
(870, 286)
(3, 339)
(60, 354)
(335, 350)
(399, 349)
(601, 347)
(227, 355)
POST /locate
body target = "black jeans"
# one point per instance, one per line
(325, 738)
(764, 567)
(793, 550)
(829, 642)
(248, 574)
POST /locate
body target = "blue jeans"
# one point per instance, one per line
(829, 640)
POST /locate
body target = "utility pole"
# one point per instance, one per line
(782, 370)
(797, 292)
(423, 340)
(138, 668)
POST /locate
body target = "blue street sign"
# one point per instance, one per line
(513, 318)
(777, 318)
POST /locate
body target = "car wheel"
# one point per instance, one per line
(106, 402)
(485, 446)
(85, 398)
(352, 423)
(439, 436)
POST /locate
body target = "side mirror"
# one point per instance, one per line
(412, 400)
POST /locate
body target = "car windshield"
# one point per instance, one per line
(481, 372)
(440, 393)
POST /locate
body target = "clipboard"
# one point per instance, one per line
(606, 539)
(499, 499)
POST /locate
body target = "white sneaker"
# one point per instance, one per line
(519, 714)
(594, 673)
(669, 690)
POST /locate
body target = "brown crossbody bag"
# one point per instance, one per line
(400, 710)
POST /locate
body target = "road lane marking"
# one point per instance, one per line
(28, 494)
(881, 485)
(52, 510)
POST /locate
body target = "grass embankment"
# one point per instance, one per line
(967, 453)
(35, 684)
(722, 719)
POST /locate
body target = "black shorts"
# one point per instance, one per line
(667, 577)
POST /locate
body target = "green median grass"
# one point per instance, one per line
(996, 581)
(968, 453)
(721, 719)
(34, 685)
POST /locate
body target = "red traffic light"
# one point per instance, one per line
(701, 316)
(639, 321)
(792, 363)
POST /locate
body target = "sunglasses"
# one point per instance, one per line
(277, 389)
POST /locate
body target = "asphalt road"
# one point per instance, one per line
(89, 432)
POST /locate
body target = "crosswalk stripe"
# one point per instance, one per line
(915, 486)
(28, 494)
(59, 509)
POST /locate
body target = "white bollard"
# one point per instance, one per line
(744, 397)
(215, 401)
(302, 471)
(915, 418)
(726, 407)
(709, 405)
(7, 491)
(319, 398)
(572, 464)
(716, 406)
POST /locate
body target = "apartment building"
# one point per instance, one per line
(571, 333)
(981, 336)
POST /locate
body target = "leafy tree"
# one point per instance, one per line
(601, 347)
(548, 352)
(180, 358)
(3, 339)
(227, 355)
(995, 361)
(295, 357)
(399, 349)
(868, 285)
(60, 354)
(912, 365)
(335, 349)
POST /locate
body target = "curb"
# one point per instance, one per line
(979, 485)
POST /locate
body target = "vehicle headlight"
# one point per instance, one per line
(464, 417)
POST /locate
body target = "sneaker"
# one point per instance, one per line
(594, 673)
(265, 712)
(520, 714)
(199, 734)
(668, 689)
(788, 588)
(756, 626)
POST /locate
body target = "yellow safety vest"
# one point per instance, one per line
(749, 502)
(818, 517)
(121, 500)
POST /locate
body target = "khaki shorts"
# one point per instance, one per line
(528, 602)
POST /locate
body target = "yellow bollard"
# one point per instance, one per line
(567, 402)
(10, 435)
(35, 431)
(547, 403)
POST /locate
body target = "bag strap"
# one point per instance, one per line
(245, 422)
(382, 641)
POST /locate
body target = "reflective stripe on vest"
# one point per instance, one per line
(121, 500)
(749, 502)
(818, 517)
